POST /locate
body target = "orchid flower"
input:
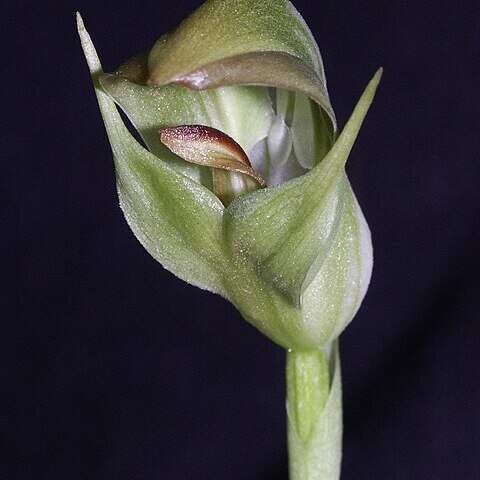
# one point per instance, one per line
(241, 190)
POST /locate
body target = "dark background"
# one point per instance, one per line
(111, 368)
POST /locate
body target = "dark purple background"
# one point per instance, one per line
(111, 368)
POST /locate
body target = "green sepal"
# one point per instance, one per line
(176, 219)
(307, 246)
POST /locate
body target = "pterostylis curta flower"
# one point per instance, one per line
(241, 190)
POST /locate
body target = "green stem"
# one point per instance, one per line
(314, 411)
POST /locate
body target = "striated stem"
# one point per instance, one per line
(314, 414)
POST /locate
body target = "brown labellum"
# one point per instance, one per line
(233, 174)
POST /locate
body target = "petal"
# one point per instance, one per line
(176, 219)
(279, 142)
(308, 120)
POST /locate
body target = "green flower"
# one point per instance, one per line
(242, 190)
